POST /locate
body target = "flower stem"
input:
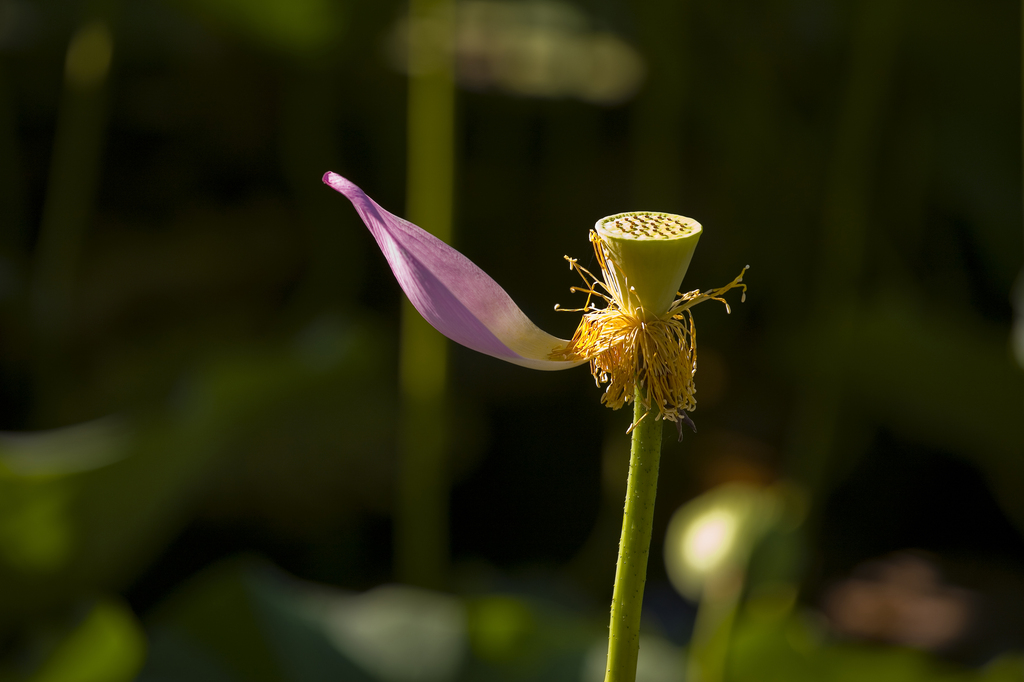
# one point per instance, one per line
(634, 546)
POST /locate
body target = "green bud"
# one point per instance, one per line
(647, 255)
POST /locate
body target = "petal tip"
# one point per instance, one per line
(338, 183)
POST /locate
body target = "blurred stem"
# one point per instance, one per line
(70, 192)
(11, 206)
(709, 645)
(634, 545)
(845, 224)
(659, 115)
(421, 514)
(1018, 290)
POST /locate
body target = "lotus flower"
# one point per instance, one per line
(643, 336)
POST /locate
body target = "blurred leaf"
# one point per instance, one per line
(297, 27)
(215, 612)
(500, 627)
(401, 634)
(243, 614)
(108, 646)
(941, 376)
(36, 529)
(944, 376)
(36, 532)
(792, 647)
(516, 638)
(69, 450)
(85, 528)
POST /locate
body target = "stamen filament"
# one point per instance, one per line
(628, 347)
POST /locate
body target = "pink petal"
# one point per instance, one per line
(451, 293)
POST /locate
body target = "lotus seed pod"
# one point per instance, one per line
(648, 254)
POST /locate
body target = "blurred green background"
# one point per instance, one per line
(198, 340)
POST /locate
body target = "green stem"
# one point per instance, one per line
(421, 508)
(712, 631)
(69, 204)
(634, 546)
(421, 511)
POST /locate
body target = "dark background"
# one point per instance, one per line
(237, 321)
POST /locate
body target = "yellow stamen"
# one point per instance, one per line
(626, 346)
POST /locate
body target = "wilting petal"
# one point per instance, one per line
(451, 293)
